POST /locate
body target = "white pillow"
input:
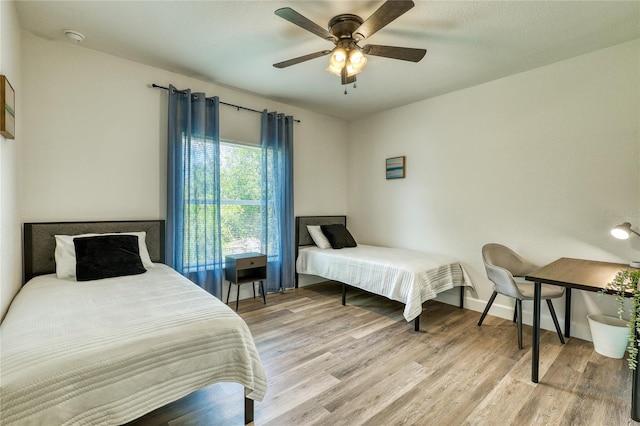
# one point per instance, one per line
(318, 236)
(65, 253)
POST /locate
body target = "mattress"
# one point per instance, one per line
(111, 350)
(407, 276)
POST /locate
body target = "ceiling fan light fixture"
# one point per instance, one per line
(335, 70)
(351, 70)
(345, 31)
(337, 61)
(357, 59)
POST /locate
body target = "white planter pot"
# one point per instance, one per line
(609, 335)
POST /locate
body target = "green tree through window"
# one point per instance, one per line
(240, 186)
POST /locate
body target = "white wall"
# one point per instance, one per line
(542, 161)
(545, 162)
(95, 137)
(10, 154)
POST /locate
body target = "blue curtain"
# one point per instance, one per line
(277, 200)
(193, 237)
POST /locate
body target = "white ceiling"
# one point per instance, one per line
(234, 43)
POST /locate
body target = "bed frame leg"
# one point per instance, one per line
(416, 324)
(248, 410)
(344, 294)
(461, 297)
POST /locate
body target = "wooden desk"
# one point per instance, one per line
(588, 275)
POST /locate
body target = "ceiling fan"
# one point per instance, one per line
(346, 31)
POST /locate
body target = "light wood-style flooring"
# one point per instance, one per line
(362, 364)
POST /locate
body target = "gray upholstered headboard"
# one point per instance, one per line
(39, 241)
(302, 234)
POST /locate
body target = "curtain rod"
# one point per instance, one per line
(238, 107)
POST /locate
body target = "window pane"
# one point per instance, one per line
(240, 172)
(240, 228)
(240, 186)
(200, 198)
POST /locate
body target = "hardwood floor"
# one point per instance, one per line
(363, 364)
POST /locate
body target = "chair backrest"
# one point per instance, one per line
(504, 257)
(502, 264)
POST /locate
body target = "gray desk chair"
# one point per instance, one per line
(506, 269)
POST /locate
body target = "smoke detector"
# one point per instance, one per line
(74, 36)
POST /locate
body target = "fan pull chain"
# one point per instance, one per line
(345, 87)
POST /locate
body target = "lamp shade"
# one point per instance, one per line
(350, 59)
(357, 62)
(337, 60)
(622, 231)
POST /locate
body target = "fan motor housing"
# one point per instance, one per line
(343, 26)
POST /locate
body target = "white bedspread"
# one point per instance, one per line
(407, 276)
(109, 351)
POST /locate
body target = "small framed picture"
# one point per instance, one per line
(396, 168)
(8, 113)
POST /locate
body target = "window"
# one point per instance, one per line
(225, 197)
(240, 206)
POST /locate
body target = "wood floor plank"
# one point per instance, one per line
(599, 387)
(303, 414)
(361, 374)
(362, 407)
(289, 378)
(496, 408)
(362, 363)
(301, 392)
(454, 389)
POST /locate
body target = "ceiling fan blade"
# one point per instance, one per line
(303, 22)
(403, 53)
(299, 59)
(388, 12)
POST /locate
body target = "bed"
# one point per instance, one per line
(407, 276)
(109, 350)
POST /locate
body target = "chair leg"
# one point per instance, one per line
(519, 315)
(486, 309)
(515, 313)
(253, 284)
(264, 295)
(555, 320)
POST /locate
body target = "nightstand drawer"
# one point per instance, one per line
(251, 262)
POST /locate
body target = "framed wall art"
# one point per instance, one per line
(396, 168)
(8, 113)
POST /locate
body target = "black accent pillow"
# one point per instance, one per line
(107, 256)
(338, 236)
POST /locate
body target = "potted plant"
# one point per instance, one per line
(625, 285)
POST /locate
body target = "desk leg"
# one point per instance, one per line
(635, 389)
(535, 339)
(635, 397)
(567, 312)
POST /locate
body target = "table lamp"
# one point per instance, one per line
(623, 232)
